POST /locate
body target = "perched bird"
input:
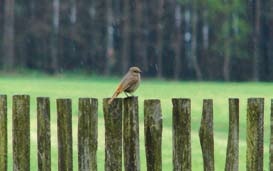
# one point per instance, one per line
(128, 84)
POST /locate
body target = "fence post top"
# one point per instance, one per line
(88, 99)
(21, 95)
(152, 101)
(42, 98)
(131, 98)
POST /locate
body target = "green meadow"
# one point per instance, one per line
(74, 87)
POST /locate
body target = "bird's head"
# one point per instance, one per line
(135, 70)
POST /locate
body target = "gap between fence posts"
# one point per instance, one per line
(3, 133)
(64, 123)
(21, 132)
(206, 135)
(153, 134)
(113, 134)
(43, 134)
(131, 134)
(255, 134)
(181, 134)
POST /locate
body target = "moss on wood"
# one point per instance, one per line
(64, 122)
(181, 134)
(131, 134)
(88, 134)
(113, 134)
(153, 134)
(43, 136)
(21, 133)
(232, 156)
(255, 134)
(206, 135)
(3, 133)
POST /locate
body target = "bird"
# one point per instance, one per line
(129, 83)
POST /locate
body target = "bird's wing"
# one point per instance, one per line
(127, 83)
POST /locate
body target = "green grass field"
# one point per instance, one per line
(75, 87)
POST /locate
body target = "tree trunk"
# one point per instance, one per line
(140, 39)
(226, 68)
(256, 39)
(54, 66)
(8, 39)
(270, 36)
(194, 41)
(125, 56)
(159, 34)
(227, 44)
(177, 42)
(1, 30)
(100, 35)
(110, 38)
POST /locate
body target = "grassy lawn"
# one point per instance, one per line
(75, 87)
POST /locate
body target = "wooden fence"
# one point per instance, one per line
(122, 134)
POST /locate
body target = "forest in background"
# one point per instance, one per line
(229, 40)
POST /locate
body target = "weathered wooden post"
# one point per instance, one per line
(255, 134)
(271, 139)
(64, 122)
(88, 134)
(181, 134)
(206, 135)
(21, 133)
(153, 134)
(3, 133)
(113, 134)
(131, 134)
(232, 156)
(43, 136)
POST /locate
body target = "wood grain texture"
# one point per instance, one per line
(181, 134)
(113, 134)
(43, 135)
(64, 124)
(255, 134)
(206, 135)
(153, 134)
(21, 133)
(232, 155)
(87, 134)
(131, 134)
(3, 133)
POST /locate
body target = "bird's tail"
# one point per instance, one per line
(117, 92)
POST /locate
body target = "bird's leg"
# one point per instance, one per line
(126, 94)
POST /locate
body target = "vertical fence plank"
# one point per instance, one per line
(131, 134)
(206, 135)
(232, 156)
(21, 133)
(3, 133)
(113, 134)
(271, 139)
(255, 134)
(88, 134)
(43, 126)
(181, 134)
(153, 134)
(64, 122)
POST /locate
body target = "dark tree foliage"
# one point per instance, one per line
(204, 40)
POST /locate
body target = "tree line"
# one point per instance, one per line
(180, 39)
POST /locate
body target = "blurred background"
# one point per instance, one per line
(230, 40)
